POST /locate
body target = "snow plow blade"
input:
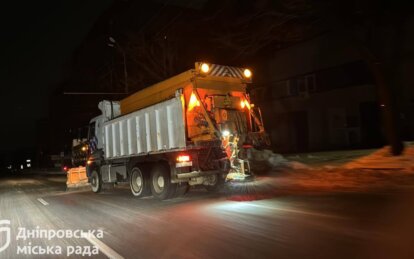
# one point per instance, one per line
(77, 178)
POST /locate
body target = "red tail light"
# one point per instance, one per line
(65, 168)
(183, 158)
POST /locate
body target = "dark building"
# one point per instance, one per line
(321, 95)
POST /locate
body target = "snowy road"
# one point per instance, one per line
(274, 217)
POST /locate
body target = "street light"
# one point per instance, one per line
(114, 44)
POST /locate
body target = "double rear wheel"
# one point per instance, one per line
(161, 186)
(157, 182)
(139, 183)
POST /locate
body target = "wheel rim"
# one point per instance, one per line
(213, 179)
(158, 182)
(95, 182)
(137, 182)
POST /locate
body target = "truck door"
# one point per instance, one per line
(96, 133)
(93, 142)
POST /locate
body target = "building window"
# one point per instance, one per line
(301, 84)
(349, 74)
(292, 87)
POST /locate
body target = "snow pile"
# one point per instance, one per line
(383, 159)
(261, 160)
(377, 172)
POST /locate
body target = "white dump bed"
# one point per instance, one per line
(157, 128)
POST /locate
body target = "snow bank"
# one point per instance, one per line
(383, 159)
(261, 160)
(265, 160)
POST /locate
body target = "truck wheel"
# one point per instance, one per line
(161, 186)
(139, 183)
(96, 182)
(216, 183)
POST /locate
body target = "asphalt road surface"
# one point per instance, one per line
(281, 223)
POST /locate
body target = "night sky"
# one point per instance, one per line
(41, 41)
(38, 39)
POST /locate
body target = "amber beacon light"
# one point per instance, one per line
(205, 68)
(247, 73)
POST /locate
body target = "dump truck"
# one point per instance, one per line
(187, 130)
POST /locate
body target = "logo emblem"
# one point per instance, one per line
(4, 238)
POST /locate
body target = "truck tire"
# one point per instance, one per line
(96, 181)
(161, 186)
(139, 183)
(218, 183)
